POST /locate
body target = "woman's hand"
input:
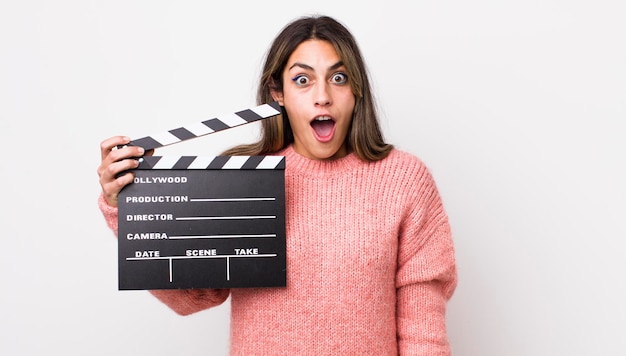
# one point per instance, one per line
(115, 161)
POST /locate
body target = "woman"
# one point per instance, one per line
(370, 258)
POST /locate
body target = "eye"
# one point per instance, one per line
(339, 78)
(301, 80)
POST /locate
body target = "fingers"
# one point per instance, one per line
(116, 162)
(112, 188)
(109, 144)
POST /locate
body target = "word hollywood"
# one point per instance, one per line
(158, 179)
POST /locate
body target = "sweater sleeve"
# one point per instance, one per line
(181, 301)
(426, 277)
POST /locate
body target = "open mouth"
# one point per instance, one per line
(324, 127)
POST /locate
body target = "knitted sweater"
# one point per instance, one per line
(370, 265)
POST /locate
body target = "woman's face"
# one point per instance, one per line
(318, 100)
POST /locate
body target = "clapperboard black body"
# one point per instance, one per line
(203, 222)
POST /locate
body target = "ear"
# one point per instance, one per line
(278, 96)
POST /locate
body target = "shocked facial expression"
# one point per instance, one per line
(318, 99)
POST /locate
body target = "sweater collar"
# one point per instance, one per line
(304, 166)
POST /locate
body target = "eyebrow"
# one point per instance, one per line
(308, 67)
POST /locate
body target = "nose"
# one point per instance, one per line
(322, 94)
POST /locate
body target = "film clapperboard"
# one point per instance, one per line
(203, 222)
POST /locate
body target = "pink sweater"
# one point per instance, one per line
(370, 265)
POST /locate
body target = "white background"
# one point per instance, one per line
(518, 108)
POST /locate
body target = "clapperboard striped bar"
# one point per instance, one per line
(212, 162)
(219, 123)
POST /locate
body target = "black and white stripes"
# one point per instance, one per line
(212, 162)
(206, 127)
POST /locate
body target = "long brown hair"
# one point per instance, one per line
(365, 137)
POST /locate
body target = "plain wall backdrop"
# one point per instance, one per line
(517, 107)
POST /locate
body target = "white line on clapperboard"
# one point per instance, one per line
(183, 237)
(247, 217)
(231, 199)
(228, 257)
